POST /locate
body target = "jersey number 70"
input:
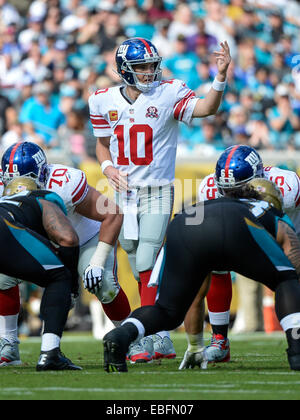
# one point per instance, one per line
(136, 131)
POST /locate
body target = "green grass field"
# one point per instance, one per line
(258, 371)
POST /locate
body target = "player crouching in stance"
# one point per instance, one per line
(235, 167)
(237, 235)
(97, 232)
(31, 221)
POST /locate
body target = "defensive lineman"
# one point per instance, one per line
(230, 229)
(236, 165)
(31, 222)
(96, 239)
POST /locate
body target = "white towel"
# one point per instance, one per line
(154, 278)
(130, 210)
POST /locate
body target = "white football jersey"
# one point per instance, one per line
(143, 134)
(71, 185)
(287, 181)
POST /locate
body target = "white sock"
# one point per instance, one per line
(138, 325)
(50, 341)
(219, 318)
(291, 321)
(9, 327)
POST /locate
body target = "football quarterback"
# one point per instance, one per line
(136, 125)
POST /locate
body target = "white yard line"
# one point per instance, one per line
(136, 390)
(258, 337)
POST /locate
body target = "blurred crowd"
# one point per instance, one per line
(55, 53)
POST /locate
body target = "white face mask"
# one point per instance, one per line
(146, 87)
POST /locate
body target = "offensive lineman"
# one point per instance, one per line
(236, 165)
(231, 228)
(137, 129)
(97, 240)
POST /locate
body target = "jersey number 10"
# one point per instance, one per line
(146, 132)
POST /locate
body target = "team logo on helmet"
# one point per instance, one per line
(152, 112)
(122, 51)
(253, 159)
(39, 158)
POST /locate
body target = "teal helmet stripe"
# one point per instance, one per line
(35, 247)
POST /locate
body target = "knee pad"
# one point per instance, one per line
(152, 232)
(109, 289)
(7, 282)
(146, 254)
(128, 245)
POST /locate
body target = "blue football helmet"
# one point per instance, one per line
(24, 159)
(135, 51)
(236, 166)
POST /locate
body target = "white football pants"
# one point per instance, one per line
(154, 209)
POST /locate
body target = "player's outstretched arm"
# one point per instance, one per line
(210, 104)
(290, 244)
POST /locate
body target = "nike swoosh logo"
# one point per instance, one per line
(290, 189)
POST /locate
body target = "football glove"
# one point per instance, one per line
(93, 278)
(190, 360)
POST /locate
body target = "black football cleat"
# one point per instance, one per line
(54, 360)
(294, 360)
(115, 348)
